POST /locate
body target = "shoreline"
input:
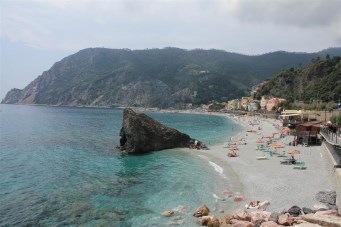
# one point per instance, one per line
(269, 180)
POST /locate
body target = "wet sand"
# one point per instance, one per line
(262, 180)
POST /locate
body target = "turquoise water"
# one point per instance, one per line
(59, 166)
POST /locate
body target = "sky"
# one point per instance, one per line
(35, 34)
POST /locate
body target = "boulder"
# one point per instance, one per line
(204, 220)
(201, 211)
(239, 223)
(324, 220)
(258, 217)
(285, 219)
(168, 213)
(226, 219)
(242, 215)
(327, 212)
(308, 224)
(140, 133)
(326, 197)
(213, 222)
(269, 224)
(274, 217)
(307, 210)
(294, 211)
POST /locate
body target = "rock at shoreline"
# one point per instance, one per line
(326, 197)
(201, 211)
(140, 134)
(294, 211)
(168, 213)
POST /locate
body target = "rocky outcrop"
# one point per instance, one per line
(140, 134)
(12, 97)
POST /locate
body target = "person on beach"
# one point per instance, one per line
(232, 153)
(253, 204)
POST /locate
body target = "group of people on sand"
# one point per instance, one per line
(232, 153)
(198, 145)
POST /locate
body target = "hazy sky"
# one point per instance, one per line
(35, 34)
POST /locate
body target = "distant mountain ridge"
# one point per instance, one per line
(168, 77)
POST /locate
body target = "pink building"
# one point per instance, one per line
(272, 103)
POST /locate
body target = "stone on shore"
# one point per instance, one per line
(269, 224)
(294, 211)
(168, 213)
(307, 210)
(239, 223)
(328, 197)
(140, 133)
(242, 215)
(201, 211)
(259, 217)
(285, 219)
(324, 220)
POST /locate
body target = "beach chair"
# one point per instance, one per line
(300, 165)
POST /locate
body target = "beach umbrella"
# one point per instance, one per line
(268, 137)
(260, 141)
(273, 144)
(294, 152)
(279, 146)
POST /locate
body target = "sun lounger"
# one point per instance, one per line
(300, 165)
(261, 158)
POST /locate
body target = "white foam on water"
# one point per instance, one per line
(215, 196)
(218, 169)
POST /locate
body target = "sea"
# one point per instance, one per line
(59, 166)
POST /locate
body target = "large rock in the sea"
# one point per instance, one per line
(140, 133)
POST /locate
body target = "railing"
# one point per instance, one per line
(331, 137)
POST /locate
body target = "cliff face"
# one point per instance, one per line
(140, 134)
(151, 78)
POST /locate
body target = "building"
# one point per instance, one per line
(273, 103)
(253, 106)
(233, 105)
(263, 102)
(244, 102)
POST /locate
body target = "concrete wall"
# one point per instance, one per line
(337, 176)
(335, 158)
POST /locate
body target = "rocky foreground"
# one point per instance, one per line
(327, 215)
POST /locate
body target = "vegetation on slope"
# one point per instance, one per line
(319, 82)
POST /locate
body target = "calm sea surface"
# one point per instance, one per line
(59, 166)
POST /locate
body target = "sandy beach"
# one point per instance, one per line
(262, 180)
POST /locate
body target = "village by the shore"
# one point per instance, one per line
(286, 170)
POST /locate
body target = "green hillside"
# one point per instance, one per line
(318, 82)
(168, 77)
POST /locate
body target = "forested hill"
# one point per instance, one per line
(168, 77)
(321, 80)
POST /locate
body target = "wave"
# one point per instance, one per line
(218, 169)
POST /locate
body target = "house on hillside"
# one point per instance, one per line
(233, 105)
(244, 102)
(273, 103)
(263, 102)
(253, 106)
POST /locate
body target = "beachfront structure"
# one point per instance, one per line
(263, 102)
(253, 106)
(234, 104)
(245, 101)
(273, 103)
